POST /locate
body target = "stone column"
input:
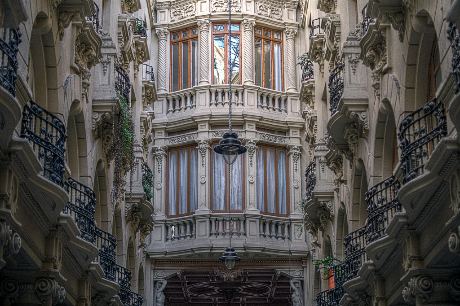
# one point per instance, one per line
(203, 26)
(203, 150)
(294, 161)
(290, 66)
(159, 154)
(162, 34)
(248, 51)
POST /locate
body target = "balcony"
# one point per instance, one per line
(307, 91)
(149, 92)
(122, 82)
(81, 207)
(93, 18)
(140, 40)
(418, 135)
(453, 35)
(47, 135)
(382, 205)
(310, 177)
(330, 297)
(181, 101)
(123, 279)
(271, 101)
(317, 40)
(202, 233)
(106, 244)
(140, 27)
(355, 253)
(336, 87)
(147, 181)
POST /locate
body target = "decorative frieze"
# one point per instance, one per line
(181, 9)
(272, 138)
(218, 6)
(270, 8)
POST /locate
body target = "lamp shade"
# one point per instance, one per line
(230, 147)
(229, 258)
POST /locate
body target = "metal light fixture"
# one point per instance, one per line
(229, 258)
(230, 146)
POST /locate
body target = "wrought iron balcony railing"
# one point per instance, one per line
(129, 298)
(106, 244)
(330, 297)
(81, 206)
(453, 34)
(367, 20)
(147, 73)
(140, 27)
(382, 205)
(316, 27)
(9, 41)
(355, 253)
(123, 277)
(418, 135)
(336, 87)
(122, 83)
(47, 135)
(310, 178)
(147, 181)
(94, 18)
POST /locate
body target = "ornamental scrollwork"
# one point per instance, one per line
(270, 8)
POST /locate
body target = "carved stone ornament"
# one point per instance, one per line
(87, 49)
(296, 152)
(270, 8)
(327, 6)
(454, 288)
(159, 153)
(181, 9)
(9, 290)
(251, 147)
(48, 291)
(418, 288)
(10, 242)
(222, 6)
(454, 241)
(203, 147)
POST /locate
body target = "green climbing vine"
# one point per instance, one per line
(324, 265)
(122, 146)
(147, 181)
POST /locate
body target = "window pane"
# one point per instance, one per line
(218, 183)
(194, 62)
(282, 181)
(258, 60)
(172, 183)
(183, 182)
(218, 28)
(260, 179)
(271, 183)
(277, 67)
(235, 59)
(175, 67)
(193, 194)
(235, 27)
(267, 64)
(219, 60)
(185, 65)
(236, 191)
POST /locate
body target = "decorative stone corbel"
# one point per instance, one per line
(48, 291)
(10, 242)
(53, 251)
(418, 288)
(9, 291)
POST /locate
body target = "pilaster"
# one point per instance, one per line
(203, 26)
(162, 34)
(159, 155)
(203, 162)
(248, 51)
(290, 66)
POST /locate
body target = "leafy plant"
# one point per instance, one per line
(324, 265)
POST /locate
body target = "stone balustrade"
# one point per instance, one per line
(220, 95)
(272, 100)
(180, 101)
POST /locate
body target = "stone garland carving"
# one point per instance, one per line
(251, 147)
(222, 6)
(10, 242)
(270, 8)
(419, 287)
(203, 147)
(182, 9)
(162, 36)
(203, 26)
(48, 290)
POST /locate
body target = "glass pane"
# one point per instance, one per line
(193, 197)
(277, 35)
(260, 179)
(236, 190)
(277, 67)
(271, 183)
(218, 28)
(185, 65)
(282, 181)
(174, 36)
(235, 59)
(218, 183)
(175, 67)
(183, 182)
(267, 33)
(184, 34)
(267, 64)
(172, 183)
(258, 31)
(219, 60)
(235, 27)
(258, 60)
(194, 62)
(194, 31)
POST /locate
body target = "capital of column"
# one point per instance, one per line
(203, 25)
(248, 25)
(162, 33)
(291, 33)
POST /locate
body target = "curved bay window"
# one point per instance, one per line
(182, 181)
(269, 54)
(227, 187)
(222, 53)
(272, 180)
(184, 59)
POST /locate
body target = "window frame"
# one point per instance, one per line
(227, 185)
(272, 40)
(177, 150)
(225, 34)
(265, 211)
(179, 42)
